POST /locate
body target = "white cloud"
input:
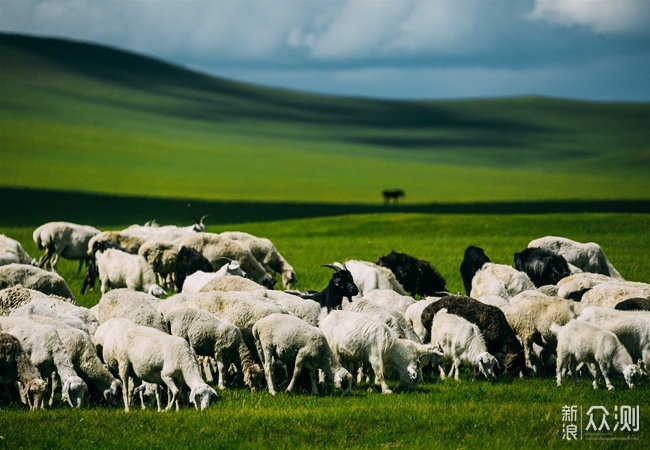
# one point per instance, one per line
(602, 16)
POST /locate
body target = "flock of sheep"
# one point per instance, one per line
(562, 307)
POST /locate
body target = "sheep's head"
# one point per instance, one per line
(113, 392)
(203, 394)
(486, 364)
(254, 377)
(343, 281)
(343, 380)
(156, 290)
(289, 278)
(74, 391)
(34, 392)
(631, 374)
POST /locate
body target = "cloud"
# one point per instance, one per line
(602, 16)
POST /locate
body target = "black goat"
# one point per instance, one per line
(473, 260)
(340, 285)
(189, 261)
(415, 275)
(634, 304)
(542, 266)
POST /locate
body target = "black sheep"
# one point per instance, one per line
(634, 304)
(340, 285)
(415, 275)
(473, 260)
(542, 266)
(499, 336)
(189, 261)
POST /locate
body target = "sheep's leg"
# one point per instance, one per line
(604, 369)
(574, 370)
(123, 370)
(645, 356)
(267, 360)
(560, 367)
(221, 369)
(54, 261)
(297, 368)
(43, 260)
(171, 385)
(81, 263)
(377, 365)
(314, 382)
(55, 385)
(528, 354)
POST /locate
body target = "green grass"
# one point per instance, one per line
(88, 118)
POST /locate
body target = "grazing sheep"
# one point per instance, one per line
(267, 254)
(368, 276)
(46, 351)
(588, 257)
(356, 339)
(514, 280)
(531, 314)
(161, 256)
(484, 284)
(634, 304)
(473, 260)
(542, 266)
(499, 336)
(16, 296)
(414, 316)
(610, 294)
(12, 252)
(118, 269)
(293, 341)
(138, 307)
(461, 340)
(580, 341)
(390, 299)
(155, 357)
(215, 248)
(574, 286)
(189, 261)
(16, 366)
(63, 239)
(83, 356)
(308, 310)
(195, 281)
(233, 283)
(115, 239)
(75, 316)
(386, 315)
(340, 285)
(211, 336)
(631, 327)
(416, 275)
(34, 278)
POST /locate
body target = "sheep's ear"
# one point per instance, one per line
(496, 362)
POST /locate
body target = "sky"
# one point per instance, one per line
(410, 49)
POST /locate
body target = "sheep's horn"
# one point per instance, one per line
(205, 216)
(332, 266)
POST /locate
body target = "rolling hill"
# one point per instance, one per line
(83, 117)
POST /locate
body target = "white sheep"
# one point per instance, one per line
(16, 296)
(152, 356)
(515, 281)
(587, 256)
(390, 299)
(210, 336)
(575, 285)
(63, 239)
(356, 339)
(461, 340)
(579, 341)
(531, 314)
(267, 254)
(161, 256)
(293, 341)
(369, 276)
(75, 316)
(414, 316)
(494, 300)
(12, 252)
(389, 316)
(15, 366)
(631, 327)
(484, 283)
(308, 310)
(610, 294)
(195, 281)
(233, 283)
(46, 351)
(139, 307)
(120, 269)
(34, 278)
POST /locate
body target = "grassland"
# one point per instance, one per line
(87, 118)
(504, 414)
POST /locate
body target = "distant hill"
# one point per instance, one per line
(83, 117)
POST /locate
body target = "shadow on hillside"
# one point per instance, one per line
(32, 207)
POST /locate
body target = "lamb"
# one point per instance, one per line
(357, 339)
(16, 296)
(587, 256)
(120, 269)
(76, 316)
(414, 316)
(135, 306)
(610, 294)
(542, 266)
(46, 351)
(63, 239)
(84, 357)
(389, 316)
(12, 252)
(631, 327)
(153, 356)
(461, 340)
(161, 256)
(189, 261)
(634, 304)
(195, 281)
(368, 276)
(340, 285)
(416, 276)
(291, 340)
(34, 278)
(16, 366)
(499, 336)
(580, 341)
(531, 315)
(211, 336)
(267, 254)
(475, 260)
(215, 248)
